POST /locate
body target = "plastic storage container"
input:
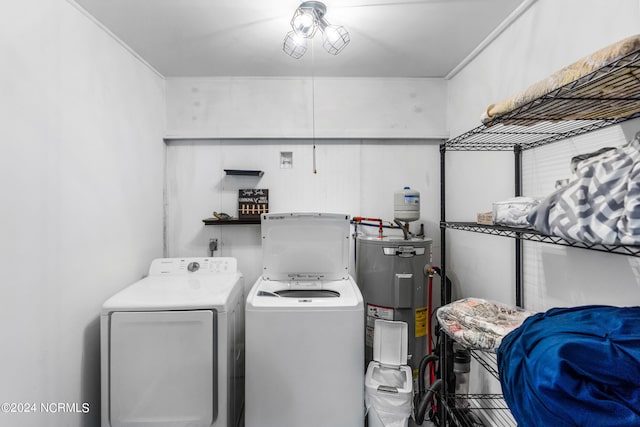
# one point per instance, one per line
(513, 212)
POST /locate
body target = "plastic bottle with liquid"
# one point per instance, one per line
(461, 369)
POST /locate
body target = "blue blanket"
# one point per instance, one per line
(574, 367)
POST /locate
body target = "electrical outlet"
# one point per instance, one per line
(213, 245)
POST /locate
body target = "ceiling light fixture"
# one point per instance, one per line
(308, 17)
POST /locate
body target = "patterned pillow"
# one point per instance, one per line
(601, 205)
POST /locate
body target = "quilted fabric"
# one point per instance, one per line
(601, 205)
(577, 367)
(479, 323)
(566, 75)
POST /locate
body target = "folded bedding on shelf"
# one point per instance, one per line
(600, 205)
(576, 366)
(564, 76)
(513, 212)
(478, 323)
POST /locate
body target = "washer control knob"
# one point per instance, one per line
(193, 267)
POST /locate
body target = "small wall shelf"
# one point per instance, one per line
(243, 172)
(231, 221)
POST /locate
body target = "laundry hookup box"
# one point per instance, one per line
(252, 203)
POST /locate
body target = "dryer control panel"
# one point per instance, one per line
(187, 266)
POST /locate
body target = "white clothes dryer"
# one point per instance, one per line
(304, 334)
(172, 347)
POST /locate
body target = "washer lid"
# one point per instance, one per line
(390, 342)
(305, 246)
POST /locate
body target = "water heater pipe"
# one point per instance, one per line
(378, 220)
(404, 227)
(429, 272)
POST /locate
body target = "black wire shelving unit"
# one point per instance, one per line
(607, 96)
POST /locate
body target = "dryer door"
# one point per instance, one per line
(163, 369)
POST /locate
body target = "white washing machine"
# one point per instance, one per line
(172, 347)
(304, 334)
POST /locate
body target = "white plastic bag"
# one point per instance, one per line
(391, 410)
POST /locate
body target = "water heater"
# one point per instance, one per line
(391, 279)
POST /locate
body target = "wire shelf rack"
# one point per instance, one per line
(533, 235)
(605, 97)
(475, 410)
(488, 361)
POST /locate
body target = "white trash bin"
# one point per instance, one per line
(388, 381)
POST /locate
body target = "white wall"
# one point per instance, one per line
(81, 176)
(548, 36)
(357, 177)
(306, 108)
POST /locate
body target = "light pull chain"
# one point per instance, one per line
(313, 106)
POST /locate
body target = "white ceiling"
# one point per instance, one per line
(389, 38)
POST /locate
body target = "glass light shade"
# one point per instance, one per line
(304, 23)
(294, 45)
(336, 38)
